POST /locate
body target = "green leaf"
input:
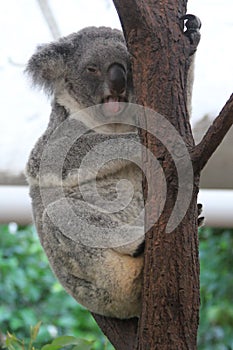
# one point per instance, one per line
(35, 331)
(83, 347)
(51, 347)
(13, 343)
(59, 342)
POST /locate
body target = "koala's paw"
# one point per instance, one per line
(200, 220)
(193, 25)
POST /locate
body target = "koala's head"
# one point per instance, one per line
(86, 68)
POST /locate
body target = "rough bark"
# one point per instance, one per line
(160, 59)
(121, 333)
(169, 317)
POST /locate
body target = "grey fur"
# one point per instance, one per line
(74, 70)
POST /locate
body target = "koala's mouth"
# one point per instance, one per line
(112, 105)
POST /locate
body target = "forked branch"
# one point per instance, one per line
(213, 137)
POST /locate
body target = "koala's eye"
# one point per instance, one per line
(92, 69)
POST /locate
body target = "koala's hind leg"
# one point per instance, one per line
(115, 291)
(106, 281)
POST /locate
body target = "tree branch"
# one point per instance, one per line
(49, 18)
(121, 333)
(213, 137)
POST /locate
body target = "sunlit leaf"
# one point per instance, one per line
(35, 331)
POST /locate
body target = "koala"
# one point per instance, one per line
(91, 232)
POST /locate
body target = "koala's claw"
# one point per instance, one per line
(193, 25)
(140, 249)
(200, 220)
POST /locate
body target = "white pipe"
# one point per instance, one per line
(15, 206)
(217, 207)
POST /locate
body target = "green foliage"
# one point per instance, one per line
(216, 316)
(14, 343)
(29, 293)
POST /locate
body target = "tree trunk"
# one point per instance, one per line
(169, 317)
(161, 55)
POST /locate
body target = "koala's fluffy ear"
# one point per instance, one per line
(47, 65)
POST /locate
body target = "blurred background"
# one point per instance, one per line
(28, 291)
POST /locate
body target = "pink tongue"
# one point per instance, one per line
(112, 106)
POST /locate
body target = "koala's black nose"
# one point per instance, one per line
(116, 79)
